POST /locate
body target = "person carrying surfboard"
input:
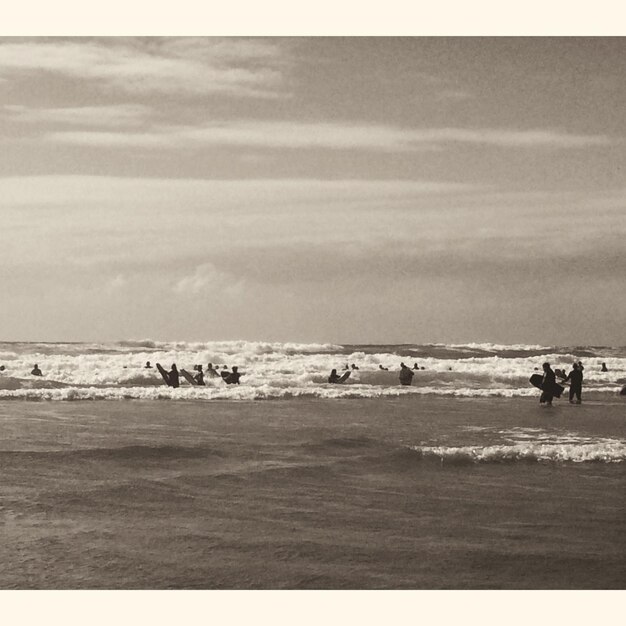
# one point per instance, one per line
(233, 377)
(199, 377)
(173, 376)
(547, 385)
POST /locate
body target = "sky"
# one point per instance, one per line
(344, 190)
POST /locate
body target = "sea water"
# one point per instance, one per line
(460, 481)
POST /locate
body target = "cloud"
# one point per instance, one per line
(322, 135)
(187, 66)
(206, 280)
(94, 116)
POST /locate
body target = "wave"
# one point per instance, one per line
(606, 451)
(262, 392)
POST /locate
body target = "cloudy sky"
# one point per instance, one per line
(314, 189)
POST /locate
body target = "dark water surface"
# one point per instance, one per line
(306, 494)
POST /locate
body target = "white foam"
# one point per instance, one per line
(605, 451)
(280, 370)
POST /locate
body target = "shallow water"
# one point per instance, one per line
(410, 492)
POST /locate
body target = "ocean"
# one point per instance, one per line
(111, 480)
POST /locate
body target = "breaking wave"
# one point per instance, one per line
(604, 451)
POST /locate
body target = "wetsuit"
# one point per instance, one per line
(199, 378)
(406, 376)
(233, 378)
(575, 378)
(173, 378)
(547, 387)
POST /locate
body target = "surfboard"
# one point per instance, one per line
(536, 380)
(188, 377)
(163, 373)
(344, 377)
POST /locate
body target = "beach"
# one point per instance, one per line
(415, 492)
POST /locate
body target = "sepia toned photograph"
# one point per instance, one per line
(312, 313)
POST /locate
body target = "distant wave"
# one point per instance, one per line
(606, 451)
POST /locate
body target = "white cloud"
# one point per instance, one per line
(153, 65)
(299, 135)
(206, 280)
(106, 115)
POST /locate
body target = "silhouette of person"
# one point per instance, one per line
(199, 377)
(213, 373)
(233, 377)
(604, 368)
(147, 366)
(416, 367)
(406, 375)
(575, 378)
(354, 367)
(334, 377)
(2, 368)
(173, 377)
(547, 385)
(384, 369)
(36, 371)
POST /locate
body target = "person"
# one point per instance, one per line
(346, 367)
(416, 367)
(334, 377)
(547, 385)
(560, 373)
(147, 366)
(2, 368)
(36, 371)
(575, 378)
(604, 368)
(213, 373)
(580, 366)
(233, 377)
(173, 376)
(199, 377)
(354, 367)
(384, 369)
(406, 375)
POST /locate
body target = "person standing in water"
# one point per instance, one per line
(575, 378)
(604, 368)
(147, 366)
(334, 377)
(547, 385)
(406, 375)
(36, 371)
(233, 377)
(199, 377)
(173, 376)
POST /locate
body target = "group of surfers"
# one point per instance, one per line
(172, 378)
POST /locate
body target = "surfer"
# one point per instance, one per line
(199, 377)
(354, 367)
(416, 366)
(580, 366)
(334, 377)
(2, 368)
(384, 369)
(575, 378)
(36, 371)
(233, 377)
(547, 385)
(604, 368)
(213, 373)
(406, 375)
(147, 366)
(172, 376)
